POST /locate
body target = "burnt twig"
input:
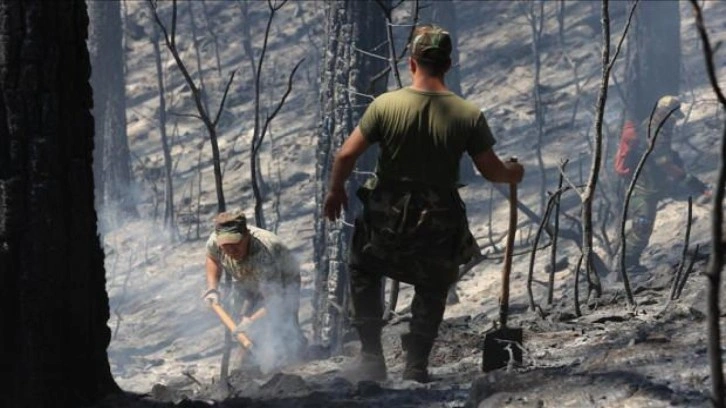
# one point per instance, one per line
(682, 284)
(679, 271)
(553, 251)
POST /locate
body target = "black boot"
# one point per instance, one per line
(370, 365)
(417, 350)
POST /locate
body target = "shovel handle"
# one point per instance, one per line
(508, 250)
(227, 320)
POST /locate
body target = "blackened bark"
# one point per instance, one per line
(112, 160)
(655, 65)
(349, 26)
(169, 221)
(54, 322)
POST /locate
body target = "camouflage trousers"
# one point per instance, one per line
(427, 307)
(639, 224)
(415, 234)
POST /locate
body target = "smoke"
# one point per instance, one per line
(277, 337)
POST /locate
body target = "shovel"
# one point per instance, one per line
(502, 344)
(229, 322)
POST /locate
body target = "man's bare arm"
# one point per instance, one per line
(346, 157)
(496, 171)
(214, 272)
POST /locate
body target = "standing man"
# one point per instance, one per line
(413, 227)
(266, 275)
(663, 176)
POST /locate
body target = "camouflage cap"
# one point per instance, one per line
(432, 43)
(230, 226)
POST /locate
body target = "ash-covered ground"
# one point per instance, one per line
(653, 355)
(166, 345)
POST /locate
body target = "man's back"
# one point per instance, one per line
(422, 135)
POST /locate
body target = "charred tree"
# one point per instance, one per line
(654, 68)
(54, 321)
(112, 161)
(716, 259)
(535, 14)
(169, 222)
(346, 76)
(261, 126)
(588, 193)
(208, 118)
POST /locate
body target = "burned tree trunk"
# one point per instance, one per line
(346, 74)
(716, 259)
(54, 321)
(169, 222)
(112, 167)
(655, 66)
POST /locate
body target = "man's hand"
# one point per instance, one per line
(335, 200)
(211, 297)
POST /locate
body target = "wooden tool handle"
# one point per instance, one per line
(507, 269)
(227, 320)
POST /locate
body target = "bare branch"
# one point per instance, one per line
(708, 53)
(622, 36)
(353, 92)
(173, 23)
(370, 54)
(570, 183)
(553, 253)
(188, 115)
(279, 105)
(224, 98)
(679, 271)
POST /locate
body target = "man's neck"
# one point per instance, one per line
(428, 84)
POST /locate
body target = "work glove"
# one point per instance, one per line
(211, 296)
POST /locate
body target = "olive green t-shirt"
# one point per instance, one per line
(422, 135)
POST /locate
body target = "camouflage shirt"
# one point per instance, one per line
(268, 267)
(654, 179)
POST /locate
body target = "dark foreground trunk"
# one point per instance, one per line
(52, 280)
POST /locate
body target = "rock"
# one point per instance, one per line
(161, 392)
(338, 385)
(282, 384)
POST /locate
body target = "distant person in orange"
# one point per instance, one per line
(663, 175)
(414, 227)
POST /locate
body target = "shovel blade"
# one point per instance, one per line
(494, 348)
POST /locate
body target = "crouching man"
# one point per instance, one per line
(266, 276)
